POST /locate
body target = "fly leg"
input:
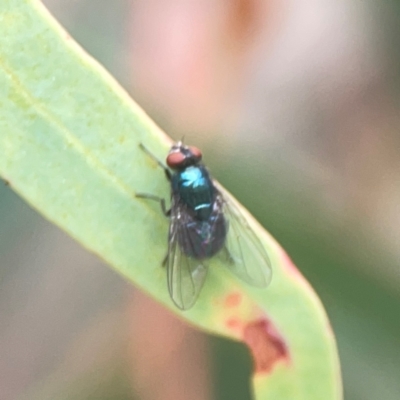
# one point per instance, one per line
(168, 175)
(166, 170)
(147, 196)
(227, 256)
(166, 212)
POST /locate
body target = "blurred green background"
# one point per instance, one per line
(296, 106)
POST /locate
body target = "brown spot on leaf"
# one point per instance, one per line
(266, 345)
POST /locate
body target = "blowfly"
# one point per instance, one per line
(204, 224)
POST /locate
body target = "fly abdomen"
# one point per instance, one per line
(204, 239)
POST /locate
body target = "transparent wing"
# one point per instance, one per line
(186, 274)
(244, 253)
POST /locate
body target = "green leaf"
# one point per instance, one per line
(69, 145)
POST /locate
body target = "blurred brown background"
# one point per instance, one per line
(297, 97)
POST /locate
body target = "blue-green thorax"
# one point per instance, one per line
(193, 187)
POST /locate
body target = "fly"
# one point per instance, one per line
(204, 224)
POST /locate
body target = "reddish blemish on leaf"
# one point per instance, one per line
(266, 345)
(233, 300)
(233, 323)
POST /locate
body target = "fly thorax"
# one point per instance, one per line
(195, 189)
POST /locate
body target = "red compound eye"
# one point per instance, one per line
(195, 151)
(174, 160)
